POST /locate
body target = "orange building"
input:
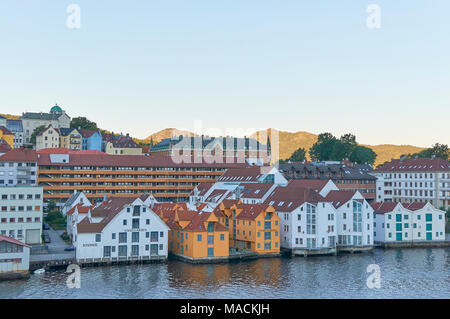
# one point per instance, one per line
(196, 236)
(254, 227)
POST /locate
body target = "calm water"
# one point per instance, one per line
(407, 273)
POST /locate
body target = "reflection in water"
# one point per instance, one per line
(406, 273)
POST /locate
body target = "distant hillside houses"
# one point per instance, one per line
(57, 118)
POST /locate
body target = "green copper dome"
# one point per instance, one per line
(56, 109)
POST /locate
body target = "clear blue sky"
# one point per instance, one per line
(140, 66)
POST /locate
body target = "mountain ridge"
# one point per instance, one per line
(291, 141)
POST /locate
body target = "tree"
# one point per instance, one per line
(437, 150)
(344, 147)
(83, 123)
(363, 155)
(323, 149)
(298, 156)
(35, 133)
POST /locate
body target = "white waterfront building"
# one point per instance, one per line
(354, 220)
(21, 213)
(408, 222)
(121, 228)
(318, 218)
(14, 258)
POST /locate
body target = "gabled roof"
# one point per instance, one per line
(198, 223)
(383, 207)
(340, 197)
(46, 129)
(203, 188)
(108, 210)
(67, 131)
(416, 165)
(13, 241)
(251, 211)
(414, 206)
(255, 190)
(244, 174)
(88, 133)
(316, 184)
(289, 198)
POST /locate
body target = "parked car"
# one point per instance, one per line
(46, 226)
(70, 248)
(47, 239)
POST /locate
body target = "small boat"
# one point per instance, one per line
(39, 271)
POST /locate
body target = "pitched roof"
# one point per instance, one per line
(383, 207)
(20, 155)
(287, 199)
(251, 211)
(13, 241)
(5, 131)
(203, 188)
(416, 165)
(62, 150)
(88, 133)
(66, 131)
(108, 209)
(316, 184)
(255, 190)
(4, 146)
(414, 205)
(244, 174)
(84, 159)
(198, 223)
(46, 129)
(41, 116)
(340, 197)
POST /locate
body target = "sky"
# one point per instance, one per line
(140, 66)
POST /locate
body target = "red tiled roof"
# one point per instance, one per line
(217, 193)
(251, 211)
(13, 241)
(255, 190)
(339, 198)
(20, 155)
(87, 133)
(244, 174)
(316, 184)
(416, 165)
(198, 223)
(77, 159)
(62, 150)
(203, 188)
(414, 206)
(287, 199)
(4, 146)
(108, 209)
(383, 207)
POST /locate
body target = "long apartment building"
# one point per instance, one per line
(414, 180)
(99, 175)
(346, 176)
